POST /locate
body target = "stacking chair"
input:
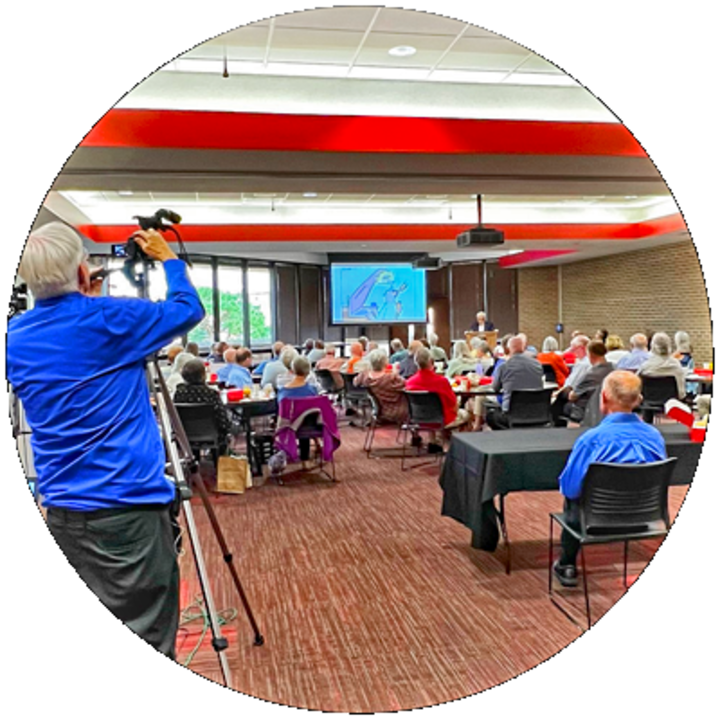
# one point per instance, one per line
(529, 408)
(549, 373)
(327, 383)
(656, 392)
(425, 413)
(201, 428)
(355, 397)
(620, 503)
(376, 418)
(259, 421)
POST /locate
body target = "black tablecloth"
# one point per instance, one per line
(481, 465)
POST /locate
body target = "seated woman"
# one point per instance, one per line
(299, 387)
(615, 349)
(175, 378)
(386, 386)
(462, 359)
(551, 356)
(661, 363)
(193, 391)
(683, 354)
(484, 357)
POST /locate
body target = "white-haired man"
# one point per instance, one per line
(638, 353)
(482, 324)
(97, 450)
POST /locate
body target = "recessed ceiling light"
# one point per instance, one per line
(125, 193)
(310, 194)
(402, 51)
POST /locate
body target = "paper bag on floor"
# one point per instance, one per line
(233, 474)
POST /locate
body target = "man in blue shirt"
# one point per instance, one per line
(224, 371)
(239, 375)
(622, 437)
(637, 355)
(97, 449)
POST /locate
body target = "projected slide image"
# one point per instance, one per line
(363, 294)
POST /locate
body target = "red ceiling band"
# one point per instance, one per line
(396, 232)
(363, 134)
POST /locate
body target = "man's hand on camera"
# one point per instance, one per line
(153, 244)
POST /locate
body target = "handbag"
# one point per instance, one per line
(233, 474)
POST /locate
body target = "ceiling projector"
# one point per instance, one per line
(480, 236)
(429, 263)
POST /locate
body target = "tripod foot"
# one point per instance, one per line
(259, 640)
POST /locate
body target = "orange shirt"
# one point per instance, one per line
(558, 365)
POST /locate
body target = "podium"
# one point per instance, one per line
(489, 336)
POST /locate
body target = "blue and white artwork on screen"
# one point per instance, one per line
(381, 294)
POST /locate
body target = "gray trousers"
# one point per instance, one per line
(127, 558)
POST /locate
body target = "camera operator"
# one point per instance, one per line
(97, 448)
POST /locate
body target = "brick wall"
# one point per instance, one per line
(625, 293)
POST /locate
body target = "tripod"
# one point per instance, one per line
(185, 470)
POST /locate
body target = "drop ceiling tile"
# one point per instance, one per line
(484, 54)
(393, 20)
(347, 18)
(313, 46)
(429, 50)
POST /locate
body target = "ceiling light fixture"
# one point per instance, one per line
(310, 194)
(402, 51)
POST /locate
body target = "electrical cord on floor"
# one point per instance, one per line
(187, 616)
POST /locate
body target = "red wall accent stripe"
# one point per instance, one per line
(530, 256)
(258, 131)
(402, 233)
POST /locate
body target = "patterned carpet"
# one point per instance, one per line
(369, 600)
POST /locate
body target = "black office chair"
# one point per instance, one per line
(620, 503)
(201, 428)
(549, 373)
(529, 408)
(356, 398)
(656, 392)
(425, 414)
(327, 383)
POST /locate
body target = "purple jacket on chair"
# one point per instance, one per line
(291, 414)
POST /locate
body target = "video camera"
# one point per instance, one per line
(19, 300)
(131, 251)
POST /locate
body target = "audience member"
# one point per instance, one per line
(299, 387)
(601, 335)
(287, 357)
(485, 359)
(615, 349)
(386, 386)
(276, 350)
(518, 372)
(551, 356)
(408, 367)
(356, 362)
(193, 349)
(332, 363)
(239, 375)
(181, 359)
(308, 346)
(172, 353)
(462, 360)
(621, 437)
(278, 366)
(193, 390)
(662, 364)
(218, 350)
(364, 342)
(317, 353)
(224, 371)
(638, 353)
(578, 349)
(427, 379)
(573, 335)
(438, 353)
(573, 404)
(683, 354)
(398, 351)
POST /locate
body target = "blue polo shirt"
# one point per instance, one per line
(239, 376)
(77, 365)
(619, 438)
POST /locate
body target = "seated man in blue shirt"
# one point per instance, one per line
(239, 375)
(224, 371)
(622, 437)
(97, 450)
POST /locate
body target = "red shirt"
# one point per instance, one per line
(428, 379)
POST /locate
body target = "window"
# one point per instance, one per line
(232, 309)
(204, 332)
(260, 299)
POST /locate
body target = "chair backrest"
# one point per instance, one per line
(549, 373)
(593, 415)
(529, 407)
(261, 408)
(352, 391)
(199, 422)
(424, 408)
(326, 380)
(658, 390)
(624, 498)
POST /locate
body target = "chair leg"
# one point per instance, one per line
(587, 597)
(625, 564)
(550, 556)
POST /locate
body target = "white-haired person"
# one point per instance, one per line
(482, 324)
(98, 453)
(278, 366)
(683, 354)
(175, 377)
(638, 353)
(550, 356)
(438, 353)
(223, 372)
(462, 360)
(387, 387)
(287, 356)
(661, 363)
(397, 351)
